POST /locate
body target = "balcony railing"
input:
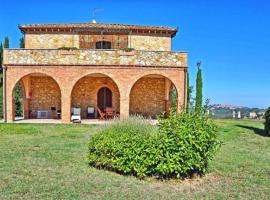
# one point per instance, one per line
(94, 57)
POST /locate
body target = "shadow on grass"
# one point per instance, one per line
(257, 131)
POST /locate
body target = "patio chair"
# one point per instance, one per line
(109, 112)
(101, 114)
(76, 115)
(91, 112)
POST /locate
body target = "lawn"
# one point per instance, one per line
(50, 162)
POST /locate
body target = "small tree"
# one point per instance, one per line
(18, 100)
(188, 92)
(6, 43)
(199, 85)
(1, 57)
(22, 43)
(267, 121)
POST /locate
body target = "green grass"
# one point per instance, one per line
(50, 162)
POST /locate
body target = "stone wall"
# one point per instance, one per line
(117, 41)
(150, 43)
(138, 42)
(85, 91)
(45, 94)
(94, 57)
(51, 41)
(147, 97)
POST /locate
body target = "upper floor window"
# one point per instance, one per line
(103, 45)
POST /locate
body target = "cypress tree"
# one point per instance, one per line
(1, 57)
(1, 53)
(22, 43)
(6, 43)
(188, 92)
(199, 85)
(18, 100)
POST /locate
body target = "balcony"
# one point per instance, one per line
(54, 57)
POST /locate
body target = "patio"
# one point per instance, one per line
(58, 121)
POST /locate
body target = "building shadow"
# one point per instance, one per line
(257, 131)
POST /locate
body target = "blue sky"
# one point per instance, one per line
(231, 38)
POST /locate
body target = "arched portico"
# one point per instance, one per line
(87, 91)
(151, 95)
(41, 97)
(68, 76)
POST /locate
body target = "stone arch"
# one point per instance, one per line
(41, 92)
(85, 90)
(151, 94)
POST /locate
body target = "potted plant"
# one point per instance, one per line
(126, 52)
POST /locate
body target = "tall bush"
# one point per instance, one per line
(267, 121)
(181, 146)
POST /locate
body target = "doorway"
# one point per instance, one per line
(104, 98)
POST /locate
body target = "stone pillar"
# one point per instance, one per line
(26, 108)
(168, 85)
(9, 104)
(124, 102)
(180, 84)
(26, 98)
(65, 107)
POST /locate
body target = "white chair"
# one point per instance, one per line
(76, 115)
(90, 112)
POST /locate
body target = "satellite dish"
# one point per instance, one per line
(95, 10)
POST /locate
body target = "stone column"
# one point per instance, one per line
(65, 107)
(180, 84)
(124, 102)
(167, 96)
(9, 104)
(26, 98)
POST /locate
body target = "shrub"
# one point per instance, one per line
(267, 121)
(180, 146)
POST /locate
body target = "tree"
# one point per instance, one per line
(267, 121)
(6, 43)
(1, 57)
(199, 86)
(188, 92)
(22, 43)
(18, 100)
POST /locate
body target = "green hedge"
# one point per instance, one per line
(180, 146)
(267, 121)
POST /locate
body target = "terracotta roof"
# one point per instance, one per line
(89, 26)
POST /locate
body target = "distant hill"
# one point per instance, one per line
(226, 111)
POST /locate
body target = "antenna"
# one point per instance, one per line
(94, 11)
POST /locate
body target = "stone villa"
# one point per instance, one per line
(129, 68)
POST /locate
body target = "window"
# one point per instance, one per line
(103, 45)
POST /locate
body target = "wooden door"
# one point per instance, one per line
(104, 98)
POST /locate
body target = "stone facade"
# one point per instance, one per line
(94, 57)
(84, 93)
(147, 97)
(67, 77)
(117, 41)
(45, 93)
(51, 41)
(140, 79)
(150, 43)
(138, 42)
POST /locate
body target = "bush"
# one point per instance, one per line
(180, 146)
(267, 121)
